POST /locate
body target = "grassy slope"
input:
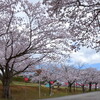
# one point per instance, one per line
(29, 91)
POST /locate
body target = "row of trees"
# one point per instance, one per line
(70, 75)
(28, 35)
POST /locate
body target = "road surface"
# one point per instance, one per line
(85, 96)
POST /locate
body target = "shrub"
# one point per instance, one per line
(18, 78)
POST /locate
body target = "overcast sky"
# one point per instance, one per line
(85, 55)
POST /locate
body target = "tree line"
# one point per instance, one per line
(69, 75)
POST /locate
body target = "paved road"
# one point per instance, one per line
(86, 96)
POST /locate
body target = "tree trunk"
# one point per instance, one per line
(90, 86)
(70, 87)
(6, 88)
(74, 88)
(83, 89)
(96, 86)
(50, 89)
(58, 86)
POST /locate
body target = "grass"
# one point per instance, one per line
(24, 83)
(29, 91)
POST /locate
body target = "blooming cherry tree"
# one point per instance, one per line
(49, 75)
(70, 75)
(83, 78)
(27, 35)
(92, 76)
(83, 17)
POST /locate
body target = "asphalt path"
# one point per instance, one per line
(85, 96)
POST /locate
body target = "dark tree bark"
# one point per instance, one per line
(58, 86)
(50, 88)
(96, 86)
(6, 88)
(6, 80)
(83, 89)
(74, 87)
(69, 87)
(90, 86)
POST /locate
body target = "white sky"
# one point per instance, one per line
(34, 1)
(86, 55)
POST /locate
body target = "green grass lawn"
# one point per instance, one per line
(30, 91)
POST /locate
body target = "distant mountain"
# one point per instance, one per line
(97, 65)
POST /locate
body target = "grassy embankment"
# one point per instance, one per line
(30, 91)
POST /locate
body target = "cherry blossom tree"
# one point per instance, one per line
(27, 35)
(49, 75)
(88, 76)
(82, 18)
(70, 75)
(83, 79)
(92, 76)
(97, 80)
